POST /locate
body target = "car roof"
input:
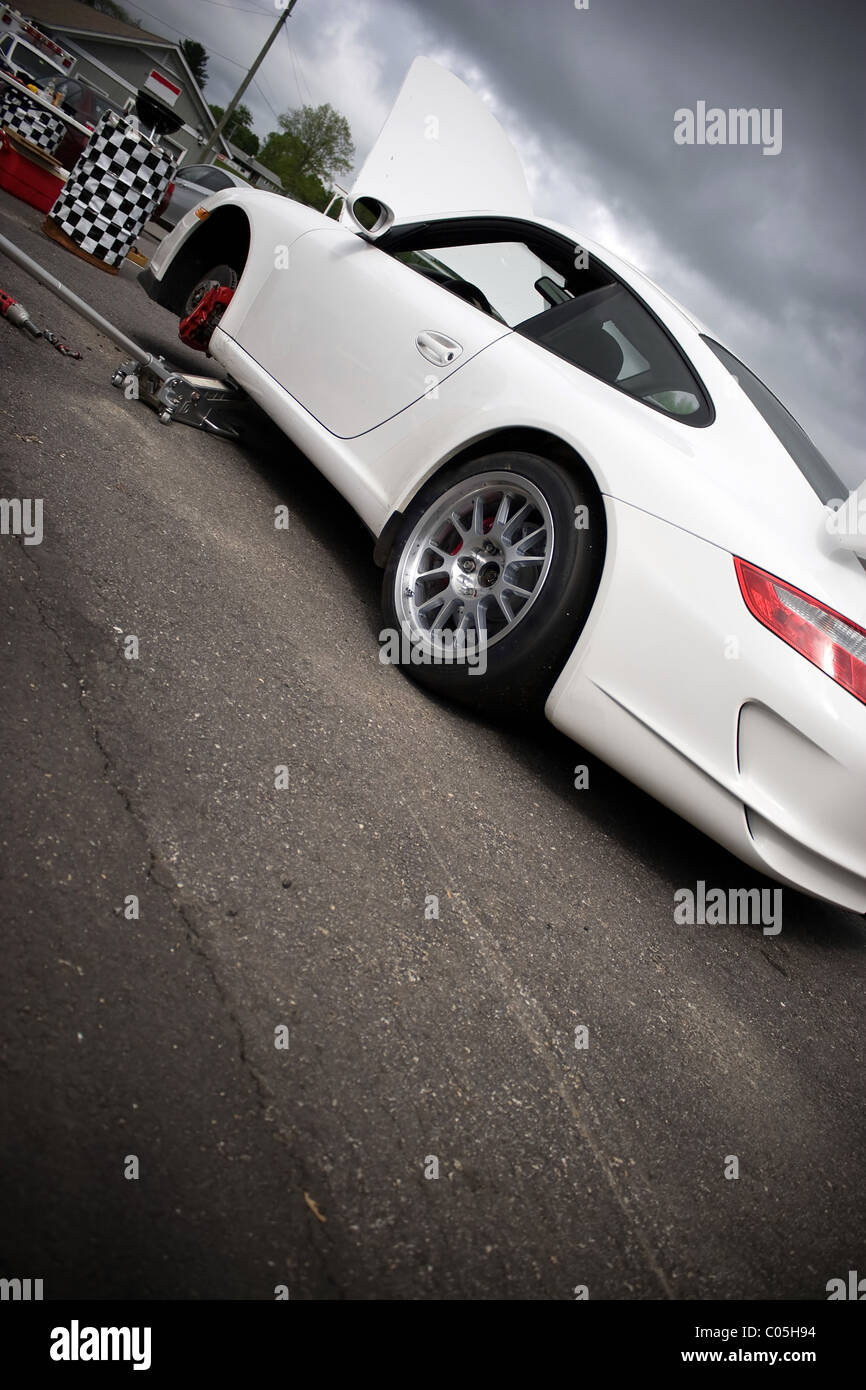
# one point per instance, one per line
(220, 169)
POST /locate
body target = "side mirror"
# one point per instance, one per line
(370, 216)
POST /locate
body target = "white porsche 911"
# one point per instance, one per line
(566, 476)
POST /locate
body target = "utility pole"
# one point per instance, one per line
(229, 111)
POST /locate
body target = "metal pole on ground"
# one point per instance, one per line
(156, 365)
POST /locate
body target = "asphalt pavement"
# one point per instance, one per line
(287, 1039)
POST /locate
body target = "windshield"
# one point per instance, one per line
(85, 103)
(26, 59)
(821, 476)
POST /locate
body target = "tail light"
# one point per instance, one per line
(832, 643)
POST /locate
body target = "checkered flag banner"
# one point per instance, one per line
(112, 190)
(30, 121)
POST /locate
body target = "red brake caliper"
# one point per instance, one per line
(196, 330)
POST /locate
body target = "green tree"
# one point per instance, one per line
(246, 140)
(314, 142)
(312, 147)
(196, 56)
(239, 128)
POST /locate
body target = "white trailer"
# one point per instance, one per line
(30, 55)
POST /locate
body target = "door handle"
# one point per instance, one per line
(438, 348)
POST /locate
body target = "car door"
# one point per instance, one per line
(441, 151)
(356, 335)
(186, 195)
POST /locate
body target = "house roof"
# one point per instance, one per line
(77, 18)
(247, 160)
(83, 22)
(68, 17)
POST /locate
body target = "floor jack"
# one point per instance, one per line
(206, 403)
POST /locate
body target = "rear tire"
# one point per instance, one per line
(496, 549)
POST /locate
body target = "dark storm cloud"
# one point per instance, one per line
(766, 249)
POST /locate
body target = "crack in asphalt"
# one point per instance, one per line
(186, 909)
(534, 1023)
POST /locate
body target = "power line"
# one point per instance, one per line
(159, 19)
(224, 56)
(261, 91)
(294, 68)
(298, 69)
(263, 53)
(241, 9)
(207, 47)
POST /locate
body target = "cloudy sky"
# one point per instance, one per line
(767, 250)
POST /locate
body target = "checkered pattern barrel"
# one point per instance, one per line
(32, 122)
(112, 190)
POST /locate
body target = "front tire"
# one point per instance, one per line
(491, 578)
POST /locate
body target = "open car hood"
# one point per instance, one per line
(442, 150)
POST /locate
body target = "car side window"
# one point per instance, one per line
(539, 283)
(607, 331)
(820, 475)
(210, 178)
(203, 175)
(502, 278)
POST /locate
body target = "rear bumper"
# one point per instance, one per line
(677, 686)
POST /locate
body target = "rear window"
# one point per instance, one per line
(208, 178)
(820, 475)
(84, 103)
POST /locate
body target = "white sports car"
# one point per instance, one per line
(580, 497)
